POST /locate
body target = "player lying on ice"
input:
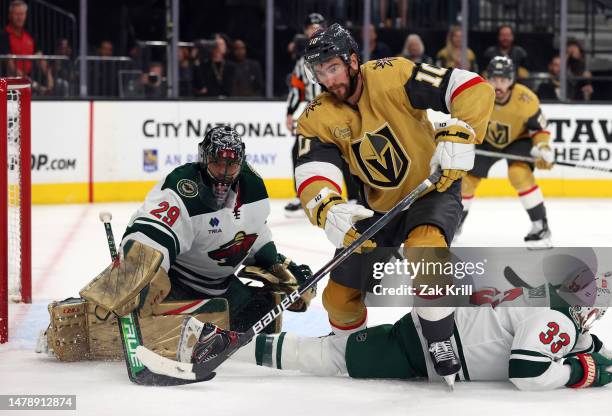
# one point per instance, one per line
(180, 256)
(535, 347)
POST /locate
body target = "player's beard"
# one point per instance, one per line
(343, 90)
(220, 191)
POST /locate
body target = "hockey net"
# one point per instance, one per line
(15, 200)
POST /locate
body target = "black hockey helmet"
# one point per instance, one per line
(501, 66)
(314, 19)
(325, 44)
(221, 155)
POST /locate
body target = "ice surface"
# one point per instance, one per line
(69, 248)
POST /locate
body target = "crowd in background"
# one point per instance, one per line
(221, 67)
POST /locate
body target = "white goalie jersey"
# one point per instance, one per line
(203, 245)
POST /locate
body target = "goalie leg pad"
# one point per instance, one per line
(81, 331)
(119, 288)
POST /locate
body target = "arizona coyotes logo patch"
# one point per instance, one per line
(381, 158)
(312, 106)
(383, 62)
(232, 253)
(498, 134)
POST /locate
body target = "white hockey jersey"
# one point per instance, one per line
(201, 244)
(516, 340)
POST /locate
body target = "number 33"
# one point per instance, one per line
(549, 336)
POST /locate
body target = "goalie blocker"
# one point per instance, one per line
(85, 328)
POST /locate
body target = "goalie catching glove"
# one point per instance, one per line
(454, 153)
(544, 155)
(284, 276)
(328, 210)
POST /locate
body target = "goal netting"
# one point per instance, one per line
(15, 154)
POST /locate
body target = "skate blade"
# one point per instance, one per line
(543, 244)
(450, 382)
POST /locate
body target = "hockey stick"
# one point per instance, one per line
(533, 160)
(200, 371)
(129, 330)
(514, 279)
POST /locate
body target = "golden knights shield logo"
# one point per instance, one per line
(381, 158)
(498, 134)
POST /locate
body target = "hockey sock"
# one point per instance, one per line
(321, 356)
(440, 330)
(533, 202)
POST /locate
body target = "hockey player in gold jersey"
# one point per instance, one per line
(518, 127)
(373, 116)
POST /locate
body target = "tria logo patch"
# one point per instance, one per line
(214, 222)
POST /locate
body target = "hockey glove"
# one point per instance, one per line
(339, 225)
(454, 153)
(331, 212)
(544, 155)
(284, 276)
(589, 370)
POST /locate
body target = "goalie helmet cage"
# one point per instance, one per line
(15, 197)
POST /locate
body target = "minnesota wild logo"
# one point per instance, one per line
(381, 158)
(233, 252)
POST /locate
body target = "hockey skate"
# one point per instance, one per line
(539, 236)
(294, 209)
(446, 363)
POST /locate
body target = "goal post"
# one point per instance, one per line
(15, 197)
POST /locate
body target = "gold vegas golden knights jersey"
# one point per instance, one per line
(387, 139)
(519, 118)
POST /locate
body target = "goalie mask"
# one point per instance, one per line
(326, 44)
(221, 155)
(588, 295)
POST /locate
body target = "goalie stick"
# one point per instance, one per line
(519, 158)
(196, 372)
(129, 330)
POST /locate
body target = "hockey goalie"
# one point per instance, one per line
(180, 255)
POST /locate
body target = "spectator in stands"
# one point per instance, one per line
(378, 49)
(18, 40)
(577, 72)
(550, 88)
(215, 75)
(105, 48)
(65, 75)
(450, 55)
(42, 78)
(186, 72)
(415, 50)
(248, 81)
(153, 81)
(506, 47)
(103, 74)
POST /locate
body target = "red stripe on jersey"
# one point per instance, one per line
(182, 308)
(314, 179)
(465, 86)
(530, 190)
(467, 197)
